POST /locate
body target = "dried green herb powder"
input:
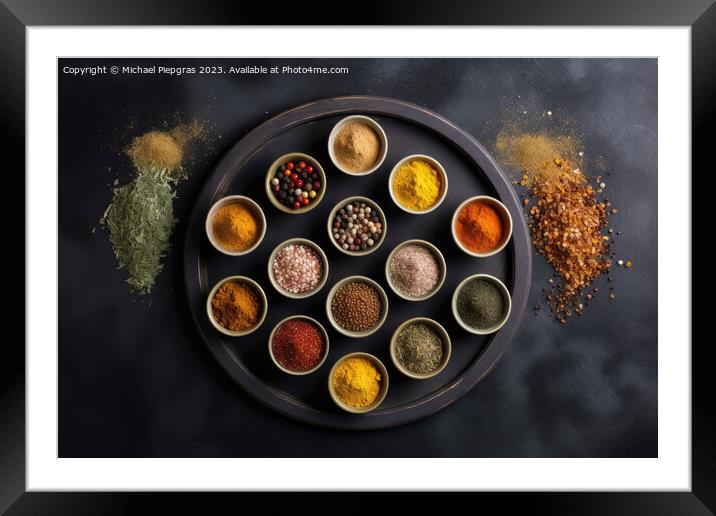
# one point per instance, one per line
(480, 304)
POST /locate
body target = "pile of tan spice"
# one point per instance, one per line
(567, 221)
(140, 217)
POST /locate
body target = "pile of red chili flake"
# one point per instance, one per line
(567, 224)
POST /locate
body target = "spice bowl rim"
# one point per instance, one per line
(383, 298)
(229, 199)
(441, 262)
(505, 216)
(350, 199)
(447, 347)
(313, 245)
(325, 340)
(505, 295)
(262, 295)
(385, 382)
(271, 172)
(432, 161)
(381, 136)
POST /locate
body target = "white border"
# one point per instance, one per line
(670, 471)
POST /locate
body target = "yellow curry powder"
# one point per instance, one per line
(417, 185)
(357, 382)
(236, 306)
(235, 227)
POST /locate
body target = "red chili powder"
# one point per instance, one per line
(298, 345)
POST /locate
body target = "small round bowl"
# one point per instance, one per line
(383, 384)
(325, 341)
(505, 295)
(271, 173)
(441, 263)
(247, 202)
(373, 205)
(436, 165)
(315, 247)
(504, 215)
(257, 289)
(447, 347)
(370, 123)
(383, 298)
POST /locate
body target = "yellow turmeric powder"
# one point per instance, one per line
(357, 382)
(236, 306)
(235, 227)
(417, 185)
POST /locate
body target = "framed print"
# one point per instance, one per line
(342, 258)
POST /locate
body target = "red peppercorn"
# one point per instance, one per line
(296, 205)
(289, 165)
(299, 183)
(302, 165)
(294, 177)
(298, 345)
(309, 169)
(305, 201)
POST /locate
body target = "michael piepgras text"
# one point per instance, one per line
(209, 69)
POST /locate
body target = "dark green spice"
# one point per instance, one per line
(140, 221)
(419, 348)
(480, 304)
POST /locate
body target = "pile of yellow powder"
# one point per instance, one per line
(417, 185)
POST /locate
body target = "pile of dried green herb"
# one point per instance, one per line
(140, 220)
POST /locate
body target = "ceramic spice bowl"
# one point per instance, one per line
(259, 293)
(477, 305)
(297, 269)
(434, 164)
(378, 132)
(300, 318)
(340, 221)
(439, 330)
(383, 383)
(360, 295)
(253, 208)
(288, 178)
(496, 207)
(414, 268)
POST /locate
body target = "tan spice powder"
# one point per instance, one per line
(357, 147)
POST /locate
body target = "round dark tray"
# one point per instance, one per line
(411, 129)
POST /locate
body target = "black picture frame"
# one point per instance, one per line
(17, 15)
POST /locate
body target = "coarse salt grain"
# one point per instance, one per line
(297, 268)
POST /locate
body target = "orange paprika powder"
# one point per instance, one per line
(479, 227)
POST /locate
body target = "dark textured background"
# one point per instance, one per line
(135, 380)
